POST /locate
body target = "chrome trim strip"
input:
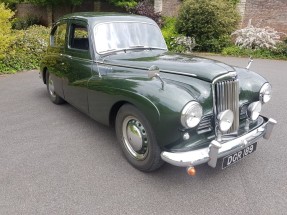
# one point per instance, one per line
(218, 150)
(146, 68)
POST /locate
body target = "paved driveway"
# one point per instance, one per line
(55, 160)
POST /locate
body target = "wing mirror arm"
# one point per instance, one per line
(153, 72)
(249, 63)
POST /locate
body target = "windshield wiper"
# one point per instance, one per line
(113, 51)
(144, 47)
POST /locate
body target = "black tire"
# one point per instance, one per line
(50, 88)
(137, 139)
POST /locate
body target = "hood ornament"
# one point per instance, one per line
(249, 63)
(153, 72)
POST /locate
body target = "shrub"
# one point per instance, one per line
(210, 22)
(27, 49)
(24, 23)
(124, 3)
(279, 53)
(145, 8)
(168, 31)
(6, 36)
(257, 38)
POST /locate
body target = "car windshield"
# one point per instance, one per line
(116, 36)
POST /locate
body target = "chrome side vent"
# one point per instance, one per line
(227, 97)
(205, 124)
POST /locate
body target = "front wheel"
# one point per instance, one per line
(51, 90)
(137, 139)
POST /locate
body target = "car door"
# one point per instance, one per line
(55, 59)
(79, 62)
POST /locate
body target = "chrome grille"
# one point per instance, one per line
(205, 124)
(227, 97)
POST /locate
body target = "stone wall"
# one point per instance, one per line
(27, 10)
(170, 7)
(272, 13)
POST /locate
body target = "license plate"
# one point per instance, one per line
(231, 159)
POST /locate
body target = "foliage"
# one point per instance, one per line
(6, 36)
(279, 53)
(124, 3)
(210, 22)
(234, 2)
(257, 38)
(24, 23)
(168, 31)
(145, 8)
(45, 2)
(27, 49)
(183, 44)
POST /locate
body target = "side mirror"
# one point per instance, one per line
(153, 71)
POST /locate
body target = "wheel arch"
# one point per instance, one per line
(147, 107)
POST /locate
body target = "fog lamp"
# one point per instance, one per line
(253, 110)
(225, 119)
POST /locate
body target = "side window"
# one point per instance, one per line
(58, 35)
(79, 38)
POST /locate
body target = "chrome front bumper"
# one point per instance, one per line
(218, 150)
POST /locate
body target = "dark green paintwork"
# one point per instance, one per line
(99, 85)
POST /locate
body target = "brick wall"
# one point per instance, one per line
(272, 13)
(26, 10)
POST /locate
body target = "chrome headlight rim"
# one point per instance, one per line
(191, 114)
(265, 93)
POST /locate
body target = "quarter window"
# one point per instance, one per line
(59, 36)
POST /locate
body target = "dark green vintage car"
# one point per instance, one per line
(181, 109)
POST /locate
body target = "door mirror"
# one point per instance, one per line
(153, 72)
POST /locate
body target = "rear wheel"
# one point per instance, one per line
(51, 90)
(137, 139)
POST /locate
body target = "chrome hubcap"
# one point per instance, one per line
(135, 138)
(51, 87)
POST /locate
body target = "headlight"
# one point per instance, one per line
(225, 120)
(265, 93)
(254, 110)
(191, 114)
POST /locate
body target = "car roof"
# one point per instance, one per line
(101, 17)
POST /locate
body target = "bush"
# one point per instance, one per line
(6, 36)
(24, 23)
(210, 22)
(124, 3)
(279, 53)
(257, 38)
(27, 49)
(168, 31)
